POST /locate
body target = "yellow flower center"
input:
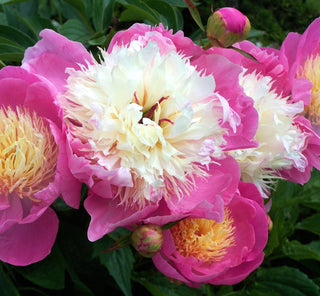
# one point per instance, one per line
(28, 153)
(204, 239)
(311, 71)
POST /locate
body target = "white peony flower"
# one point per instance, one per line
(148, 114)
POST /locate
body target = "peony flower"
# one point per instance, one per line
(271, 62)
(142, 123)
(33, 171)
(287, 148)
(291, 152)
(301, 54)
(199, 250)
(227, 26)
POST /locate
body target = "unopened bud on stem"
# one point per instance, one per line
(227, 26)
(147, 239)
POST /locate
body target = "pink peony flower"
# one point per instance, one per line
(301, 55)
(143, 124)
(271, 62)
(287, 146)
(227, 26)
(34, 170)
(200, 250)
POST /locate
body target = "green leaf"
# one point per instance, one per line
(284, 213)
(98, 41)
(78, 5)
(7, 288)
(179, 18)
(195, 14)
(315, 245)
(11, 53)
(158, 285)
(75, 30)
(167, 12)
(11, 1)
(48, 273)
(297, 251)
(119, 263)
(36, 24)
(19, 38)
(310, 224)
(102, 13)
(177, 3)
(138, 10)
(286, 280)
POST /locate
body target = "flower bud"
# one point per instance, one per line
(270, 223)
(227, 26)
(147, 239)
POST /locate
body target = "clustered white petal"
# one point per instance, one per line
(281, 142)
(153, 114)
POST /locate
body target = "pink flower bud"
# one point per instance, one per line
(147, 239)
(227, 26)
(270, 223)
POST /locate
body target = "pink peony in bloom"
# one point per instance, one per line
(142, 124)
(288, 147)
(200, 250)
(34, 170)
(301, 54)
(270, 62)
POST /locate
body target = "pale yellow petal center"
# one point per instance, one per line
(28, 152)
(311, 71)
(203, 239)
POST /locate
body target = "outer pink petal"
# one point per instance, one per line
(311, 152)
(12, 91)
(51, 56)
(163, 262)
(108, 214)
(69, 186)
(211, 193)
(4, 202)
(19, 87)
(309, 44)
(95, 176)
(12, 214)
(166, 40)
(239, 273)
(24, 244)
(226, 75)
(288, 50)
(40, 99)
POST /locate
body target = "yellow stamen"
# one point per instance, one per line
(311, 71)
(204, 239)
(28, 153)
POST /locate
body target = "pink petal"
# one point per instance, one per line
(11, 215)
(40, 99)
(24, 244)
(108, 214)
(52, 55)
(70, 187)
